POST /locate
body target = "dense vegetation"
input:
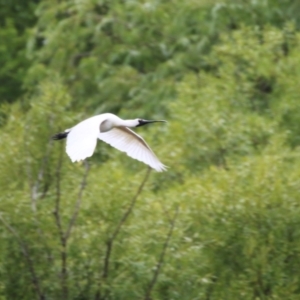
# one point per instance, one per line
(223, 222)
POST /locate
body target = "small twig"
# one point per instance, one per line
(78, 202)
(161, 258)
(25, 251)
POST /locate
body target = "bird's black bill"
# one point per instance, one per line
(144, 122)
(60, 136)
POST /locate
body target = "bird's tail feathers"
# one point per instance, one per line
(60, 135)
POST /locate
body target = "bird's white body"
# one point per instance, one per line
(82, 139)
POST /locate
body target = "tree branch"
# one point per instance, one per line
(161, 258)
(122, 221)
(110, 241)
(64, 235)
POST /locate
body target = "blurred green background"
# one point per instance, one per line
(223, 222)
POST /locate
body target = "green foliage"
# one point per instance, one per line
(116, 54)
(223, 221)
(15, 18)
(12, 62)
(239, 108)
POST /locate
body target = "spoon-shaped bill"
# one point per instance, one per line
(144, 122)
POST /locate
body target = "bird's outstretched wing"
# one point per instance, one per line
(126, 140)
(82, 139)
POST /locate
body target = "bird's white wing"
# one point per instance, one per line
(82, 139)
(125, 140)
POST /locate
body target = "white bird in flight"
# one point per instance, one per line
(82, 139)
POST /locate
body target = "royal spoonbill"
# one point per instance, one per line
(82, 138)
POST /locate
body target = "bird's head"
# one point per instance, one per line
(141, 122)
